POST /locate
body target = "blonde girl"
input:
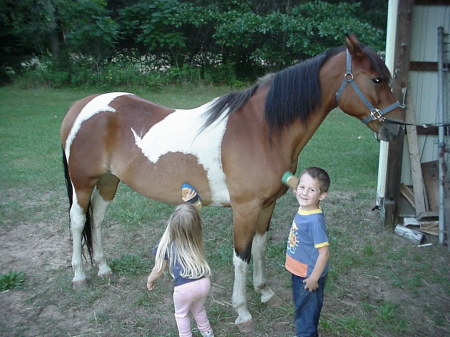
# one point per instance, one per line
(181, 248)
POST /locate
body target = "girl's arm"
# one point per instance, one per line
(154, 275)
(311, 282)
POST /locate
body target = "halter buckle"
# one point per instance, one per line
(348, 77)
(377, 115)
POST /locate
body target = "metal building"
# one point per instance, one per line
(413, 171)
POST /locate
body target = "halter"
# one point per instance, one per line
(375, 114)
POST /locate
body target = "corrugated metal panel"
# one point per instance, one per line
(423, 86)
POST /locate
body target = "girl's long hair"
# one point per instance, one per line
(182, 241)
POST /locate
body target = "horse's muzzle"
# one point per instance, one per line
(389, 132)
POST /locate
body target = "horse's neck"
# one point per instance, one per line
(297, 135)
(301, 132)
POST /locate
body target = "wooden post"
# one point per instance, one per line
(400, 83)
(414, 157)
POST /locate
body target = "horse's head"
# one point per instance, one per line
(365, 92)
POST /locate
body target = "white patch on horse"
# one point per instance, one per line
(93, 107)
(181, 132)
(239, 298)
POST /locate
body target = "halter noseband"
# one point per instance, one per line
(375, 114)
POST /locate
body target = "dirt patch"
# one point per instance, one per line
(48, 306)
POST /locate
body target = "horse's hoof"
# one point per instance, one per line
(274, 302)
(108, 275)
(246, 328)
(79, 285)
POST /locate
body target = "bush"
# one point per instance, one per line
(82, 72)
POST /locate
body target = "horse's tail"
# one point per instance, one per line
(68, 182)
(87, 230)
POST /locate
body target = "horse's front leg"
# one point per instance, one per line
(99, 206)
(77, 220)
(245, 218)
(240, 292)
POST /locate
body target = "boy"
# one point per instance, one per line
(307, 251)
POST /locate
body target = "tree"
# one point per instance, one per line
(27, 28)
(251, 36)
(276, 40)
(89, 30)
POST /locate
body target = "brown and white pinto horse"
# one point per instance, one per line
(234, 150)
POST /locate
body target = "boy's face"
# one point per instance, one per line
(308, 193)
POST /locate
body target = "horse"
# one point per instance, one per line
(233, 149)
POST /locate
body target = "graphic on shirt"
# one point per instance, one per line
(292, 239)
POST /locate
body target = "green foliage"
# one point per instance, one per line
(281, 39)
(12, 280)
(89, 30)
(79, 42)
(150, 24)
(26, 29)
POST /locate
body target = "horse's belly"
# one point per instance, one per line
(179, 135)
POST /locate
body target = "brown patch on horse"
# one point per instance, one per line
(162, 180)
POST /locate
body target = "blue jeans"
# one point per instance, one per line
(307, 307)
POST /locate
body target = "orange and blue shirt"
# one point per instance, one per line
(307, 234)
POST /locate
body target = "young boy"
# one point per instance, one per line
(307, 251)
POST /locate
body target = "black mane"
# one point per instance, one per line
(294, 92)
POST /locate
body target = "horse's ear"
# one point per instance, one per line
(352, 44)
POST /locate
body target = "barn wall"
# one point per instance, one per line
(423, 86)
(422, 90)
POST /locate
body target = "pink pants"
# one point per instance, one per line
(191, 297)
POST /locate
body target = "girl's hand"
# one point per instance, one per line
(151, 281)
(190, 195)
(154, 275)
(150, 285)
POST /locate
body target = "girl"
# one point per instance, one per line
(181, 247)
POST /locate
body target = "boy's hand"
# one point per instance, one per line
(310, 284)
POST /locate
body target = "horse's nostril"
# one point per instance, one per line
(389, 132)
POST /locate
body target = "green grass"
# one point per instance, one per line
(130, 265)
(12, 280)
(378, 284)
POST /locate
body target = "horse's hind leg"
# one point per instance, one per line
(103, 194)
(77, 222)
(259, 248)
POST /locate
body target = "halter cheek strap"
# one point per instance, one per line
(375, 114)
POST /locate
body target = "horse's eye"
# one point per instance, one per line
(377, 80)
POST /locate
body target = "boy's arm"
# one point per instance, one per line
(311, 282)
(154, 275)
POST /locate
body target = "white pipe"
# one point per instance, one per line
(441, 129)
(389, 60)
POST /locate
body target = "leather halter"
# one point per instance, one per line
(375, 114)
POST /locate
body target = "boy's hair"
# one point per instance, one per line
(321, 175)
(182, 241)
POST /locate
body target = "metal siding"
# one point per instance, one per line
(423, 86)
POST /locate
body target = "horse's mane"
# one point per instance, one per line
(294, 92)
